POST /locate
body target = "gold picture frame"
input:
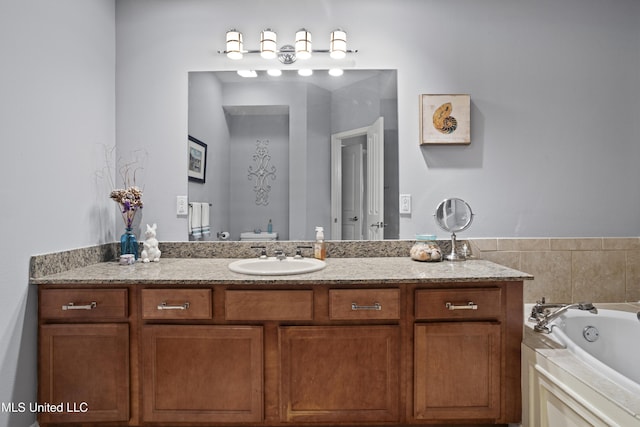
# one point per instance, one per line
(445, 119)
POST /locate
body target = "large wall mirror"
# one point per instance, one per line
(290, 153)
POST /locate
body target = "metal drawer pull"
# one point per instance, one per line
(165, 306)
(356, 307)
(470, 306)
(72, 306)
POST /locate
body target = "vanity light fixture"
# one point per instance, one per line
(234, 44)
(303, 72)
(338, 44)
(268, 46)
(303, 44)
(287, 54)
(247, 73)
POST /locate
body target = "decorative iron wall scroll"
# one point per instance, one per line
(262, 173)
(445, 119)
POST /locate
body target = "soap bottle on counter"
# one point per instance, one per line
(270, 227)
(320, 247)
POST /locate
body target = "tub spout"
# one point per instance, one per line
(542, 315)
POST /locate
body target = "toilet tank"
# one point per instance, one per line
(250, 236)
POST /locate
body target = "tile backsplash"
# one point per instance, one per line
(570, 269)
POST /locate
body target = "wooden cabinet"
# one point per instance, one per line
(457, 371)
(202, 373)
(340, 374)
(83, 366)
(282, 354)
(461, 369)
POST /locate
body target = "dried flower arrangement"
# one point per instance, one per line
(130, 200)
(130, 197)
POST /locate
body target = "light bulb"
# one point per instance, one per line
(268, 46)
(338, 44)
(303, 44)
(234, 44)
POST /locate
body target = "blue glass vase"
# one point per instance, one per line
(129, 243)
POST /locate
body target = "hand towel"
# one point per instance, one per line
(204, 217)
(195, 219)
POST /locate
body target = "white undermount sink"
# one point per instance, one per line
(273, 266)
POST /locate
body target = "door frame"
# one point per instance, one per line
(375, 170)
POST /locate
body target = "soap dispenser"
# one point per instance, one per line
(320, 247)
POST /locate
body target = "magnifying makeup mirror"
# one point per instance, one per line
(454, 215)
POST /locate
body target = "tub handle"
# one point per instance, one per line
(470, 306)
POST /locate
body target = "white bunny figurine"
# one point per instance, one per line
(150, 251)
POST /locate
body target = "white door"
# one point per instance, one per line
(373, 184)
(352, 191)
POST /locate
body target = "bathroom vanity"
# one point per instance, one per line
(365, 341)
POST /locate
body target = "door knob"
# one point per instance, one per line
(378, 224)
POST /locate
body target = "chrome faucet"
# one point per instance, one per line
(279, 253)
(263, 251)
(542, 315)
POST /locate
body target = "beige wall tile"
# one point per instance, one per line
(633, 276)
(552, 276)
(508, 259)
(588, 244)
(598, 276)
(523, 244)
(570, 269)
(478, 245)
(627, 243)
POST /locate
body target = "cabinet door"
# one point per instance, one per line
(84, 371)
(201, 373)
(457, 371)
(333, 374)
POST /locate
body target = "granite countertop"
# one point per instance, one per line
(378, 270)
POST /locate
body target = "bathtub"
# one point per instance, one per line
(608, 341)
(586, 371)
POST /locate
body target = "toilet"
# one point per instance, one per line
(250, 236)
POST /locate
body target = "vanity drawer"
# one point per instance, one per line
(354, 304)
(268, 305)
(464, 303)
(176, 304)
(96, 304)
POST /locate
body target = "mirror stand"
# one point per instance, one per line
(454, 255)
(454, 215)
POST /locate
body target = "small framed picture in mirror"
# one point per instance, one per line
(445, 119)
(197, 160)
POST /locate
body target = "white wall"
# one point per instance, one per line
(57, 112)
(554, 86)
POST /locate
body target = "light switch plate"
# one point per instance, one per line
(405, 203)
(182, 205)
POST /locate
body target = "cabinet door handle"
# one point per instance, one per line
(164, 306)
(470, 306)
(356, 307)
(72, 306)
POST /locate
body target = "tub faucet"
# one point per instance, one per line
(542, 315)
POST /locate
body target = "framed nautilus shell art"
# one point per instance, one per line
(445, 119)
